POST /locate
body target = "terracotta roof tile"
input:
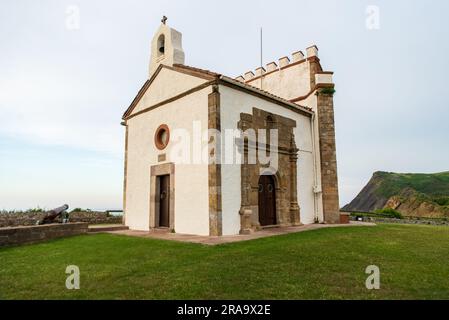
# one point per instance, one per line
(194, 69)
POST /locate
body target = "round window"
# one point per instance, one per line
(162, 137)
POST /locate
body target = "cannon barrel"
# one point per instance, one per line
(51, 215)
(58, 210)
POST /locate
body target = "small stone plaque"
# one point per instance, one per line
(161, 157)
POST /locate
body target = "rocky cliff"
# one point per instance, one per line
(412, 194)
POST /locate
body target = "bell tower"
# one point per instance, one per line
(166, 47)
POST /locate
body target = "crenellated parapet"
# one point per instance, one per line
(295, 58)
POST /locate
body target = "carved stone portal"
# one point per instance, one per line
(284, 172)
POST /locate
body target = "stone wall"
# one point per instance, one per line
(32, 234)
(95, 218)
(30, 218)
(329, 180)
(432, 222)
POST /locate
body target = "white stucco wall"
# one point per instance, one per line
(168, 84)
(191, 180)
(288, 83)
(234, 102)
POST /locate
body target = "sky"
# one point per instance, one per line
(69, 69)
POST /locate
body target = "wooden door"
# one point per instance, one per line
(267, 201)
(164, 201)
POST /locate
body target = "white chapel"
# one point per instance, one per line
(207, 154)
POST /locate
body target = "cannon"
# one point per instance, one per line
(52, 215)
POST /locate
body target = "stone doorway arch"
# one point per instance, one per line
(284, 176)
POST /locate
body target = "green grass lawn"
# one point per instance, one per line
(320, 264)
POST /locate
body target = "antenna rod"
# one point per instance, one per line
(261, 57)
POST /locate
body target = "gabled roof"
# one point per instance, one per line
(220, 79)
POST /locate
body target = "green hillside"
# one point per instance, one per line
(414, 194)
(431, 184)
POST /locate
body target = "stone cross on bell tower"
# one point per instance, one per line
(166, 47)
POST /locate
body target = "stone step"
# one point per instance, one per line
(161, 230)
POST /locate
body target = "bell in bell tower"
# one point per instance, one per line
(161, 45)
(166, 47)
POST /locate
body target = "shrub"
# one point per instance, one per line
(442, 201)
(81, 210)
(329, 91)
(389, 212)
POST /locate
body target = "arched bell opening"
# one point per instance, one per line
(161, 45)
